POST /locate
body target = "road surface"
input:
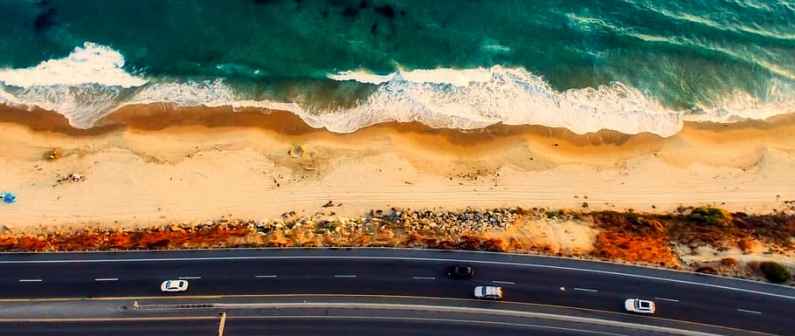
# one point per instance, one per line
(291, 326)
(526, 279)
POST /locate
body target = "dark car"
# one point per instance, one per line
(461, 272)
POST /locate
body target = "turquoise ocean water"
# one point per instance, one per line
(627, 65)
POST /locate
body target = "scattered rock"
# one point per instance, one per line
(706, 270)
(296, 152)
(729, 262)
(71, 178)
(53, 154)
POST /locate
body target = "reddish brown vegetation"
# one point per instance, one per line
(647, 237)
(634, 248)
(633, 238)
(228, 235)
(155, 238)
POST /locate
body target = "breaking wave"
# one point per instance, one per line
(91, 82)
(476, 98)
(87, 64)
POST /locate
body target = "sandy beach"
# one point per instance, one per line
(155, 164)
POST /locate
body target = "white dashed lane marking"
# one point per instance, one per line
(344, 275)
(30, 280)
(504, 282)
(423, 278)
(266, 276)
(589, 290)
(189, 277)
(106, 279)
(666, 299)
(755, 312)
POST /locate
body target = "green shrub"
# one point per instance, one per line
(554, 213)
(775, 272)
(709, 215)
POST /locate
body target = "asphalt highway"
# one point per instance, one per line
(292, 327)
(597, 286)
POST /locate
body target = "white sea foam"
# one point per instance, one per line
(477, 98)
(443, 98)
(458, 77)
(82, 105)
(90, 64)
(82, 86)
(203, 93)
(740, 105)
(361, 76)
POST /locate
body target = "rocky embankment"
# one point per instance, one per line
(701, 239)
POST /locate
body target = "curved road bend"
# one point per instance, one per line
(592, 285)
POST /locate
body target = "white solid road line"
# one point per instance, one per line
(189, 277)
(106, 279)
(755, 312)
(586, 290)
(266, 276)
(344, 275)
(666, 299)
(423, 278)
(30, 280)
(504, 282)
(451, 260)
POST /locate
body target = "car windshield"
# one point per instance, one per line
(644, 304)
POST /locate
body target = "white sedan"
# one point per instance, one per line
(172, 286)
(640, 306)
(488, 292)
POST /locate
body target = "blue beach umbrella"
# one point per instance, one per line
(9, 198)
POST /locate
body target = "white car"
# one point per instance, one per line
(640, 306)
(488, 292)
(172, 286)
